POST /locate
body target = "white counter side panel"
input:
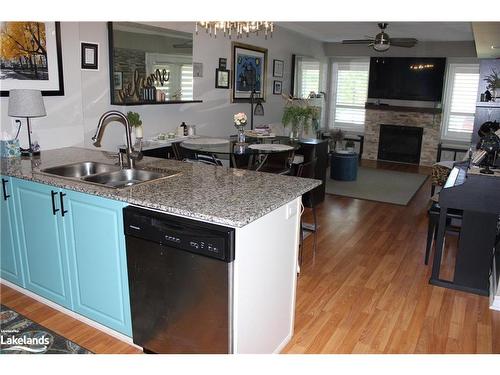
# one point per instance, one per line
(265, 275)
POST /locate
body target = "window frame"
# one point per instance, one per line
(451, 70)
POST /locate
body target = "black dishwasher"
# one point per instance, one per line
(180, 282)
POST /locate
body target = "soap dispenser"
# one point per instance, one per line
(184, 127)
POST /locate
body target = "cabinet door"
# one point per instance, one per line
(96, 250)
(42, 241)
(10, 256)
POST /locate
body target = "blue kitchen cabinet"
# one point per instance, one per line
(10, 257)
(42, 241)
(97, 259)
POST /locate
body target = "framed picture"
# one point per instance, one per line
(249, 72)
(221, 79)
(278, 66)
(89, 56)
(197, 70)
(222, 63)
(277, 87)
(30, 57)
(118, 79)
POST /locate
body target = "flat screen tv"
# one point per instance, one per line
(406, 78)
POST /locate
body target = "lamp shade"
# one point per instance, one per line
(26, 103)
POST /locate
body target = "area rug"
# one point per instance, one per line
(19, 335)
(379, 185)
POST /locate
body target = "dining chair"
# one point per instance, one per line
(307, 170)
(184, 154)
(277, 162)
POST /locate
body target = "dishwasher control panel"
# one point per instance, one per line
(207, 239)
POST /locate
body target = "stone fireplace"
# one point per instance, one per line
(430, 122)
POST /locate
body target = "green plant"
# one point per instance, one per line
(298, 113)
(493, 80)
(134, 119)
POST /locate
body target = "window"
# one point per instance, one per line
(308, 74)
(459, 105)
(350, 91)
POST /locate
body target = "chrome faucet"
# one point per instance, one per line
(105, 119)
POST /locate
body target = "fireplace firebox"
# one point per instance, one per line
(400, 143)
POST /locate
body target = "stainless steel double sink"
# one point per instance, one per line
(107, 174)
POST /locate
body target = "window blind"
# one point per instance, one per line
(187, 82)
(460, 101)
(308, 77)
(351, 91)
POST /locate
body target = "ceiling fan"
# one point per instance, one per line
(382, 41)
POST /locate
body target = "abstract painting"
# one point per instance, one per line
(249, 72)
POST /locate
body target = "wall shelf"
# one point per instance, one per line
(168, 102)
(398, 108)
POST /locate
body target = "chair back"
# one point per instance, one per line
(277, 162)
(307, 170)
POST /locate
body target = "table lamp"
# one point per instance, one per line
(29, 104)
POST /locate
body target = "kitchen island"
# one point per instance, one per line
(264, 210)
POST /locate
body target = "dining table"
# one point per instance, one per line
(252, 154)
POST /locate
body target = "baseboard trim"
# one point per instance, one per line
(72, 314)
(494, 298)
(496, 304)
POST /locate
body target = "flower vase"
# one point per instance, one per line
(241, 133)
(296, 132)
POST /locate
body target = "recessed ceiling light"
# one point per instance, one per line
(495, 47)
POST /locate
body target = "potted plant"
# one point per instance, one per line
(298, 114)
(336, 137)
(349, 146)
(493, 83)
(134, 120)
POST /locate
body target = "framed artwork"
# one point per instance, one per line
(118, 79)
(222, 63)
(249, 72)
(198, 70)
(278, 67)
(277, 87)
(89, 56)
(30, 57)
(221, 79)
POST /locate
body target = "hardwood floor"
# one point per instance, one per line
(364, 291)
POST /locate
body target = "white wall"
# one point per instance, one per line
(71, 120)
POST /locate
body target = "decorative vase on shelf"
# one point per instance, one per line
(240, 121)
(296, 131)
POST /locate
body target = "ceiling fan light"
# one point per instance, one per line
(381, 46)
(381, 42)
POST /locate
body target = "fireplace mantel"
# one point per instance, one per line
(398, 108)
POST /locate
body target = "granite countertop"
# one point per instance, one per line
(220, 195)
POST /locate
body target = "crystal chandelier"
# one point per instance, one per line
(236, 28)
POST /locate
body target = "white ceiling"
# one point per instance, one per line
(423, 31)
